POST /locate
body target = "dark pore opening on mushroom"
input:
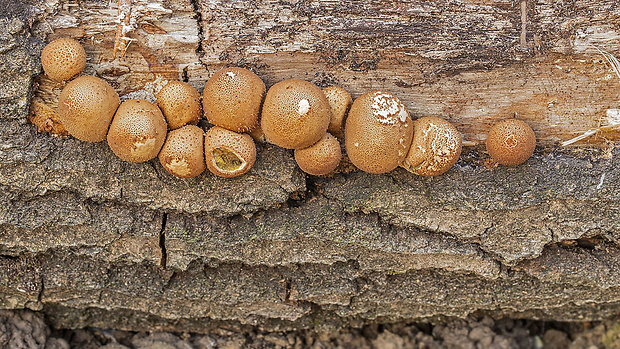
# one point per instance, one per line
(227, 160)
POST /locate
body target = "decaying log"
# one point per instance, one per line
(94, 241)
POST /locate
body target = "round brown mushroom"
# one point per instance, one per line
(378, 132)
(511, 142)
(227, 153)
(231, 99)
(183, 152)
(339, 103)
(321, 158)
(180, 104)
(86, 106)
(295, 114)
(63, 58)
(436, 147)
(138, 131)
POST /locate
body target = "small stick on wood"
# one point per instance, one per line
(123, 26)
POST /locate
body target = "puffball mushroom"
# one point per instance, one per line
(321, 158)
(228, 153)
(86, 106)
(511, 142)
(183, 152)
(295, 114)
(339, 102)
(63, 58)
(436, 147)
(378, 132)
(138, 131)
(231, 99)
(180, 104)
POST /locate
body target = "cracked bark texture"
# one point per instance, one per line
(94, 241)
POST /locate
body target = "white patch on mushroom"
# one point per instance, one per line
(231, 74)
(179, 166)
(388, 109)
(304, 107)
(143, 147)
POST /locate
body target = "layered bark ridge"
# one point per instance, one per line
(94, 241)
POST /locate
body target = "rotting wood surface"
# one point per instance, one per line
(94, 241)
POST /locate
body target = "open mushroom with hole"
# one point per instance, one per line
(435, 148)
(138, 131)
(378, 132)
(511, 142)
(295, 114)
(227, 153)
(86, 106)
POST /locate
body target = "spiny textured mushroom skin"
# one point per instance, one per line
(320, 158)
(183, 152)
(232, 98)
(378, 132)
(138, 131)
(86, 106)
(511, 142)
(239, 145)
(180, 104)
(295, 114)
(436, 147)
(63, 58)
(339, 102)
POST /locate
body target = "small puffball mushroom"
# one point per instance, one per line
(138, 131)
(183, 152)
(511, 142)
(295, 114)
(86, 106)
(436, 147)
(227, 153)
(378, 132)
(232, 98)
(321, 158)
(180, 104)
(339, 103)
(63, 58)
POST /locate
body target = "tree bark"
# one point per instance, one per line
(94, 241)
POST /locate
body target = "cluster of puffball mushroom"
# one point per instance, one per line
(378, 132)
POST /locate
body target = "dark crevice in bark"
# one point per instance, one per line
(162, 240)
(198, 18)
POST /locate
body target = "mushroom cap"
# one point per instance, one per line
(295, 114)
(436, 147)
(138, 131)
(183, 152)
(180, 104)
(231, 99)
(339, 102)
(228, 153)
(378, 132)
(321, 158)
(86, 106)
(511, 142)
(63, 58)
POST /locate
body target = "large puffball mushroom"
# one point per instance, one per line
(378, 132)
(321, 158)
(183, 152)
(436, 147)
(227, 153)
(138, 131)
(231, 99)
(86, 106)
(180, 104)
(339, 102)
(63, 58)
(295, 114)
(511, 142)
